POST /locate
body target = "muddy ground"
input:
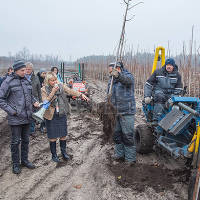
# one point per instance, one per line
(90, 174)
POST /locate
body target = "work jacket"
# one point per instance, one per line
(164, 82)
(123, 97)
(16, 99)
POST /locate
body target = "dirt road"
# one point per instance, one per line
(90, 174)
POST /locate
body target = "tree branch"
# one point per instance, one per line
(127, 20)
(135, 5)
(125, 2)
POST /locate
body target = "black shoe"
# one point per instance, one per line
(130, 163)
(63, 150)
(28, 164)
(118, 159)
(55, 158)
(53, 152)
(16, 169)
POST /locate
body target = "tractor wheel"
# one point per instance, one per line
(191, 185)
(144, 139)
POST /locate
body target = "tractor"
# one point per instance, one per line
(177, 132)
(75, 80)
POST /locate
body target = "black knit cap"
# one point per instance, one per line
(118, 64)
(18, 64)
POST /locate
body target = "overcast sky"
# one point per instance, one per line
(76, 28)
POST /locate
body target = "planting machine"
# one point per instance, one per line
(177, 132)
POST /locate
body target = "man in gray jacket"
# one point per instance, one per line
(36, 88)
(17, 100)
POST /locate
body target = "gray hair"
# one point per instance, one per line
(29, 64)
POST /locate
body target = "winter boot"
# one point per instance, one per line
(53, 152)
(16, 168)
(63, 150)
(28, 164)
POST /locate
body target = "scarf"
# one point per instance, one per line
(60, 100)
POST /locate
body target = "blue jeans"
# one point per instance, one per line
(124, 138)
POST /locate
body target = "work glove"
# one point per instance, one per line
(114, 73)
(147, 100)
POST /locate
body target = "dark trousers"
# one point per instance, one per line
(20, 134)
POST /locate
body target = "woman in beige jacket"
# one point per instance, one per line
(56, 114)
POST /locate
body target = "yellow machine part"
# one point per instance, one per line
(194, 145)
(197, 140)
(157, 55)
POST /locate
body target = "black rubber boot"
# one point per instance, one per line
(53, 151)
(28, 164)
(16, 168)
(63, 150)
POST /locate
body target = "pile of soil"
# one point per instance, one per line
(140, 176)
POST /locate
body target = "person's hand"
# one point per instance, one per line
(55, 88)
(147, 100)
(36, 104)
(84, 97)
(114, 73)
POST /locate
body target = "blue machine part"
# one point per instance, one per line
(190, 100)
(176, 143)
(174, 147)
(148, 111)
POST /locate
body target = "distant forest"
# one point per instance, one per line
(140, 58)
(144, 59)
(39, 61)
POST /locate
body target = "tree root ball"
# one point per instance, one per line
(107, 113)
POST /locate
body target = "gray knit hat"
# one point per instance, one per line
(18, 64)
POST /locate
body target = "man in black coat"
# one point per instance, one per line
(163, 84)
(17, 100)
(10, 71)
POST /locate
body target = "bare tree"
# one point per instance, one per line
(122, 36)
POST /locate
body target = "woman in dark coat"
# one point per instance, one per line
(55, 70)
